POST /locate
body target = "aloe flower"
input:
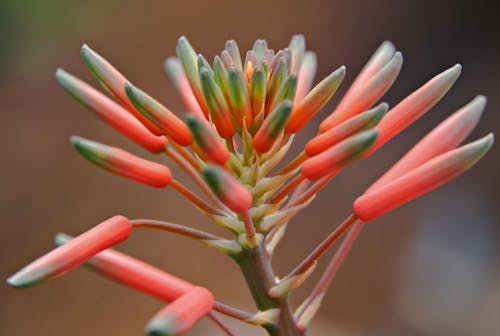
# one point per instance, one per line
(241, 118)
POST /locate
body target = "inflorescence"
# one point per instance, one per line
(243, 117)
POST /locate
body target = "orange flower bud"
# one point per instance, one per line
(159, 115)
(225, 186)
(114, 82)
(180, 315)
(69, 256)
(337, 157)
(420, 180)
(123, 163)
(112, 113)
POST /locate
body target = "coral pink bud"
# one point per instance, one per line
(110, 112)
(217, 105)
(306, 76)
(113, 81)
(272, 127)
(379, 59)
(123, 163)
(225, 186)
(414, 106)
(421, 180)
(135, 273)
(349, 127)
(178, 77)
(337, 157)
(446, 136)
(364, 94)
(314, 101)
(180, 315)
(207, 140)
(67, 257)
(189, 60)
(159, 115)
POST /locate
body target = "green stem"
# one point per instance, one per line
(255, 265)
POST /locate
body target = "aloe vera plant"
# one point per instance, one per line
(241, 118)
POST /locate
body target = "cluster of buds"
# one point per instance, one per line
(241, 121)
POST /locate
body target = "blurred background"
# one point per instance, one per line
(430, 268)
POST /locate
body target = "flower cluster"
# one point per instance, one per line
(243, 117)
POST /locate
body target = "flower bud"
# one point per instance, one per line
(239, 97)
(272, 127)
(114, 82)
(314, 101)
(217, 106)
(178, 77)
(207, 140)
(225, 186)
(306, 76)
(112, 113)
(159, 115)
(297, 47)
(69, 256)
(135, 273)
(365, 94)
(180, 315)
(337, 157)
(420, 180)
(414, 106)
(446, 136)
(349, 127)
(123, 163)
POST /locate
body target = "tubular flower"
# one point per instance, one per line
(65, 258)
(180, 315)
(123, 163)
(243, 112)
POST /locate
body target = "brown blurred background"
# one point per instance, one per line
(430, 268)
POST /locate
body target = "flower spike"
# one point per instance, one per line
(335, 158)
(315, 100)
(180, 316)
(421, 180)
(207, 140)
(123, 163)
(270, 130)
(159, 115)
(69, 256)
(114, 82)
(234, 195)
(110, 112)
(446, 136)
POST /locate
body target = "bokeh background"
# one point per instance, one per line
(430, 268)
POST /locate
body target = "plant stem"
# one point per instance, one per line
(218, 321)
(324, 246)
(193, 197)
(256, 267)
(334, 265)
(174, 228)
